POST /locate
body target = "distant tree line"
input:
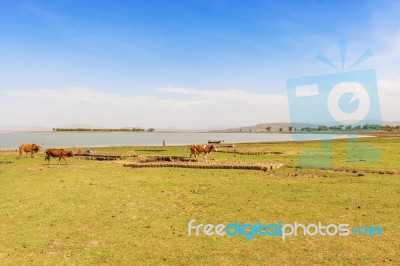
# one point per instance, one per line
(317, 128)
(391, 128)
(105, 129)
(341, 128)
(337, 128)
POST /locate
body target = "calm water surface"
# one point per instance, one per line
(11, 140)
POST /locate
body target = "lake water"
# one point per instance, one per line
(11, 140)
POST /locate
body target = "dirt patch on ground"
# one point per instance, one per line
(152, 150)
(381, 133)
(104, 157)
(356, 171)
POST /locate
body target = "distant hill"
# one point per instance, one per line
(79, 126)
(391, 123)
(275, 127)
(263, 127)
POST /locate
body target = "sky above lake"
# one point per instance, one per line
(183, 64)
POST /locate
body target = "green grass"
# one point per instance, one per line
(98, 212)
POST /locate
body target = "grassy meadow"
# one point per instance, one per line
(101, 213)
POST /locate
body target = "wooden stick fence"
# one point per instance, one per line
(264, 167)
(165, 158)
(250, 152)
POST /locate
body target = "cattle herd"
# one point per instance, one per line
(57, 153)
(194, 150)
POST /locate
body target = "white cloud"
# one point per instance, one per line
(198, 110)
(49, 107)
(389, 96)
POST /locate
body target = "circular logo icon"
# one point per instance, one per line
(348, 102)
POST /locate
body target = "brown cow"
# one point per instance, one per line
(32, 148)
(60, 153)
(197, 149)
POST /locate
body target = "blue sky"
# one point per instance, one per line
(177, 55)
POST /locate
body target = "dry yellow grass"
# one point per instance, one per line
(99, 212)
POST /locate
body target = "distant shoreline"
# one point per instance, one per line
(180, 145)
(91, 139)
(380, 133)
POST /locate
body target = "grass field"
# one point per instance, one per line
(99, 212)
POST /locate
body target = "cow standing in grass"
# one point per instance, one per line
(197, 149)
(32, 148)
(58, 153)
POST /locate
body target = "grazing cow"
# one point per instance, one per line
(60, 153)
(32, 148)
(197, 149)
